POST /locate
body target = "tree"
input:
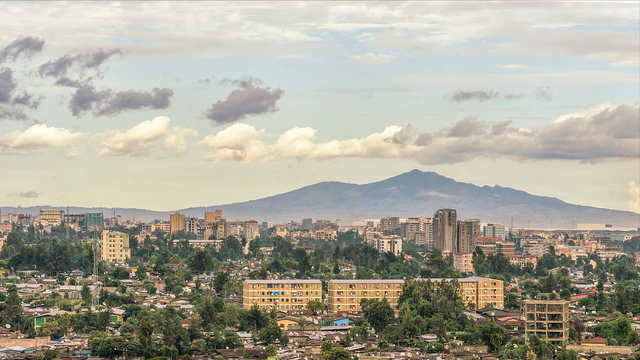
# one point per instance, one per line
(336, 268)
(13, 309)
(270, 333)
(493, 335)
(86, 293)
(284, 339)
(302, 322)
(270, 350)
(326, 347)
(379, 314)
(316, 306)
(337, 353)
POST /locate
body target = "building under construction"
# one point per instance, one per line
(549, 320)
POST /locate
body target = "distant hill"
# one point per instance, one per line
(415, 193)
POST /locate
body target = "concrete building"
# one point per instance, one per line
(176, 222)
(387, 244)
(163, 226)
(494, 230)
(445, 234)
(423, 226)
(495, 245)
(468, 230)
(114, 246)
(549, 320)
(307, 224)
(93, 222)
(201, 244)
(345, 295)
(534, 247)
(281, 294)
(419, 238)
(251, 229)
(390, 226)
(51, 217)
(191, 224)
(463, 262)
(213, 216)
(220, 229)
(522, 260)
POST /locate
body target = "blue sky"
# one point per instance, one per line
(176, 104)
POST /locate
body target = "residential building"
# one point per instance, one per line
(548, 320)
(93, 222)
(494, 230)
(201, 244)
(388, 244)
(609, 254)
(445, 230)
(419, 238)
(163, 226)
(468, 230)
(321, 224)
(114, 246)
(251, 229)
(522, 260)
(390, 226)
(345, 295)
(326, 234)
(266, 225)
(176, 222)
(463, 262)
(422, 226)
(5, 227)
(281, 294)
(51, 217)
(212, 216)
(534, 247)
(307, 224)
(481, 292)
(191, 225)
(220, 229)
(495, 245)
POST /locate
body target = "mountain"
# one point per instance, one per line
(414, 193)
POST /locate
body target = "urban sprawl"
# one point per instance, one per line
(77, 286)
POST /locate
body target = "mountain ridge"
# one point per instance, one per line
(414, 193)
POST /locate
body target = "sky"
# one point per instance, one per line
(169, 105)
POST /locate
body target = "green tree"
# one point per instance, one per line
(326, 347)
(493, 335)
(337, 353)
(13, 308)
(270, 333)
(86, 293)
(316, 306)
(270, 350)
(379, 314)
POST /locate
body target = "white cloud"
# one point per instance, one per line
(35, 137)
(634, 203)
(142, 138)
(371, 60)
(517, 67)
(608, 134)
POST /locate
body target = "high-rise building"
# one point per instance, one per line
(307, 224)
(93, 222)
(391, 244)
(390, 226)
(220, 229)
(468, 230)
(114, 246)
(213, 216)
(191, 225)
(494, 230)
(176, 222)
(445, 234)
(251, 229)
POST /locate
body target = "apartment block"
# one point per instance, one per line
(51, 217)
(176, 222)
(201, 244)
(390, 226)
(345, 295)
(522, 260)
(191, 225)
(549, 320)
(463, 262)
(281, 294)
(114, 246)
(468, 230)
(213, 216)
(251, 229)
(492, 245)
(482, 292)
(534, 247)
(163, 226)
(388, 244)
(494, 230)
(220, 229)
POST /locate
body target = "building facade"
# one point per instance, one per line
(549, 320)
(445, 232)
(463, 262)
(51, 217)
(281, 294)
(114, 246)
(468, 230)
(93, 222)
(345, 295)
(391, 244)
(495, 230)
(213, 216)
(176, 222)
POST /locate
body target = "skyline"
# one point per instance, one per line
(173, 105)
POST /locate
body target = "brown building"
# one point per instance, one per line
(468, 230)
(445, 234)
(549, 320)
(176, 222)
(281, 294)
(213, 216)
(345, 295)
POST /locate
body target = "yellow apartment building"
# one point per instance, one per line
(114, 246)
(281, 294)
(481, 292)
(345, 295)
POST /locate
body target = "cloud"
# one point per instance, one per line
(481, 95)
(12, 106)
(634, 203)
(28, 194)
(107, 103)
(81, 62)
(605, 132)
(249, 99)
(26, 46)
(517, 67)
(36, 137)
(142, 138)
(135, 100)
(371, 60)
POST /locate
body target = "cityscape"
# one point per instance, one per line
(317, 180)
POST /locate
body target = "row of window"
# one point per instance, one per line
(364, 293)
(293, 286)
(375, 286)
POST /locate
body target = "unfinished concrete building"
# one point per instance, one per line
(549, 320)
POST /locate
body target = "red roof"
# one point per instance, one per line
(595, 340)
(582, 296)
